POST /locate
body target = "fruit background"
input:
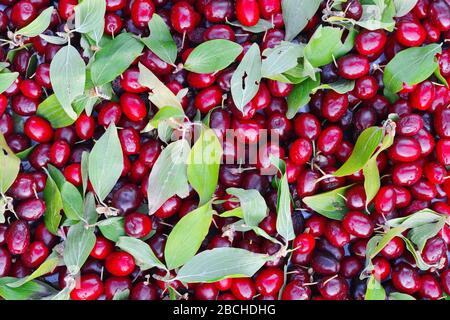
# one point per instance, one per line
(118, 180)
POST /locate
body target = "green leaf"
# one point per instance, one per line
(114, 58)
(440, 77)
(398, 71)
(160, 40)
(261, 26)
(284, 224)
(253, 205)
(212, 56)
(90, 214)
(143, 255)
(106, 162)
(7, 79)
(77, 247)
(221, 263)
(372, 181)
(112, 228)
(71, 198)
(68, 76)
(296, 15)
(85, 170)
(48, 266)
(330, 204)
(422, 217)
(400, 296)
(38, 25)
(122, 295)
(53, 205)
(72, 201)
(365, 146)
(33, 290)
(383, 241)
(375, 290)
(203, 165)
(236, 212)
(421, 234)
(164, 114)
(89, 14)
(53, 39)
(247, 77)
(348, 44)
(51, 110)
(420, 263)
(23, 155)
(402, 7)
(301, 95)
(341, 86)
(159, 95)
(281, 58)
(169, 175)
(187, 236)
(323, 44)
(9, 166)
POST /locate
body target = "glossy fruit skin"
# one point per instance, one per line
(405, 149)
(23, 13)
(144, 291)
(370, 43)
(206, 291)
(115, 285)
(307, 126)
(385, 200)
(405, 279)
(137, 225)
(422, 97)
(410, 33)
(91, 288)
(358, 224)
(247, 12)
(38, 129)
(142, 12)
(443, 151)
(382, 268)
(5, 262)
(336, 234)
(296, 291)
(133, 106)
(353, 66)
(324, 263)
(35, 254)
(243, 288)
(18, 237)
(333, 288)
(300, 151)
(102, 248)
(394, 249)
(304, 243)
(334, 105)
(31, 210)
(329, 140)
(120, 263)
(183, 17)
(434, 250)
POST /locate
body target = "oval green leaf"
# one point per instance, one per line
(330, 204)
(187, 236)
(212, 56)
(106, 162)
(160, 40)
(143, 255)
(38, 25)
(247, 77)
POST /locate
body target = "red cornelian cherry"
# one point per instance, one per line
(247, 12)
(334, 105)
(422, 97)
(353, 66)
(304, 243)
(243, 288)
(59, 153)
(183, 17)
(358, 224)
(35, 254)
(38, 129)
(410, 33)
(269, 281)
(120, 263)
(300, 151)
(137, 225)
(370, 43)
(22, 13)
(90, 288)
(133, 106)
(102, 248)
(142, 12)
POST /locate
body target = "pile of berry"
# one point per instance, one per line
(224, 149)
